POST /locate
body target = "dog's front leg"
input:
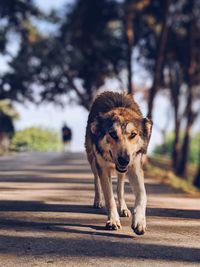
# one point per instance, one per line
(123, 210)
(136, 178)
(98, 203)
(113, 222)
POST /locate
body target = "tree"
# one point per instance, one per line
(171, 52)
(192, 78)
(14, 16)
(15, 20)
(131, 18)
(87, 49)
(90, 46)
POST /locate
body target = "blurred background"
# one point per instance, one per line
(55, 56)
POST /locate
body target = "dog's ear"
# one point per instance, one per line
(93, 127)
(147, 128)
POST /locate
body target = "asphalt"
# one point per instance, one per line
(47, 218)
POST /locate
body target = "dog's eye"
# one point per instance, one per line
(113, 135)
(133, 135)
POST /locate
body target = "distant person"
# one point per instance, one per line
(66, 136)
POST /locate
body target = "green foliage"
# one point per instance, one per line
(166, 148)
(36, 139)
(194, 149)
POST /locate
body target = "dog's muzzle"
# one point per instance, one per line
(122, 163)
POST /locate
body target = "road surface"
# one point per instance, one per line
(47, 219)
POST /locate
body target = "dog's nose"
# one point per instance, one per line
(123, 160)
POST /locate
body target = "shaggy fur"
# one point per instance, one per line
(117, 137)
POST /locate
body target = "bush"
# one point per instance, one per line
(36, 139)
(166, 148)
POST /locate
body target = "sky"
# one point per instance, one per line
(53, 117)
(47, 5)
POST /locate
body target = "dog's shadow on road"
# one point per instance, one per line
(66, 223)
(60, 223)
(38, 206)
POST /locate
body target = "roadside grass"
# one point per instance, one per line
(159, 167)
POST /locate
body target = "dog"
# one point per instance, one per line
(117, 138)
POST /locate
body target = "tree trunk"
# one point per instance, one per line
(181, 169)
(159, 60)
(197, 178)
(174, 74)
(176, 145)
(129, 36)
(129, 66)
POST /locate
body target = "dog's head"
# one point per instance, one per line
(121, 133)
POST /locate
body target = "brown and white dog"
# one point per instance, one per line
(117, 137)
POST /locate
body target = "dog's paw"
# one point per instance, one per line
(98, 204)
(138, 224)
(125, 213)
(113, 224)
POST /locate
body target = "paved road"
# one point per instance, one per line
(46, 219)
